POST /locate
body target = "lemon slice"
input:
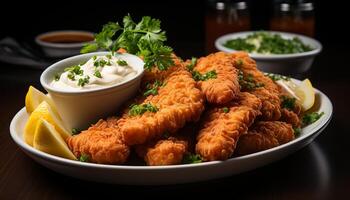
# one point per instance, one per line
(34, 97)
(43, 111)
(304, 92)
(48, 140)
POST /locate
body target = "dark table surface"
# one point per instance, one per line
(318, 171)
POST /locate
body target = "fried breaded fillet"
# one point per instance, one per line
(168, 151)
(290, 117)
(264, 135)
(268, 93)
(225, 86)
(178, 102)
(222, 126)
(102, 143)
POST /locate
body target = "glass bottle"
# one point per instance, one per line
(224, 17)
(293, 16)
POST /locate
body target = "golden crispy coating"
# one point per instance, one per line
(264, 135)
(168, 151)
(225, 87)
(268, 94)
(102, 142)
(220, 129)
(178, 102)
(290, 117)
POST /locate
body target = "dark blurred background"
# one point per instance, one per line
(191, 26)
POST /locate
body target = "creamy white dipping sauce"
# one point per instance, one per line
(99, 71)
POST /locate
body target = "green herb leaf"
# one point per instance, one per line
(83, 81)
(144, 39)
(247, 82)
(75, 131)
(276, 77)
(191, 158)
(140, 109)
(268, 43)
(97, 74)
(288, 102)
(57, 77)
(84, 158)
(311, 118)
(199, 77)
(152, 89)
(192, 64)
(109, 56)
(297, 131)
(225, 109)
(122, 62)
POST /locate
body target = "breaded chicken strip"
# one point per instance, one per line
(222, 127)
(290, 117)
(102, 143)
(264, 135)
(225, 86)
(267, 92)
(177, 102)
(168, 151)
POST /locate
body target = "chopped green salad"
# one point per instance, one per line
(267, 43)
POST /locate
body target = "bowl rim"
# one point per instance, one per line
(39, 41)
(49, 88)
(315, 43)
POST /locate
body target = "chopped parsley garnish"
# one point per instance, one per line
(83, 81)
(101, 63)
(297, 131)
(145, 39)
(288, 102)
(94, 57)
(239, 63)
(268, 43)
(109, 56)
(225, 109)
(122, 62)
(97, 74)
(247, 82)
(276, 77)
(199, 77)
(75, 131)
(192, 64)
(57, 77)
(310, 118)
(73, 71)
(84, 158)
(190, 158)
(152, 89)
(140, 109)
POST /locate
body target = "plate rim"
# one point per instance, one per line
(63, 161)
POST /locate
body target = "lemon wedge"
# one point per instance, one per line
(303, 92)
(48, 140)
(34, 97)
(43, 111)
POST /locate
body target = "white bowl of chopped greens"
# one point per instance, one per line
(275, 52)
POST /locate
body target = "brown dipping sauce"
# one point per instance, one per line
(67, 37)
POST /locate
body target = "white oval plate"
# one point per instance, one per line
(158, 175)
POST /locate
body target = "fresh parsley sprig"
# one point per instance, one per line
(145, 39)
(310, 118)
